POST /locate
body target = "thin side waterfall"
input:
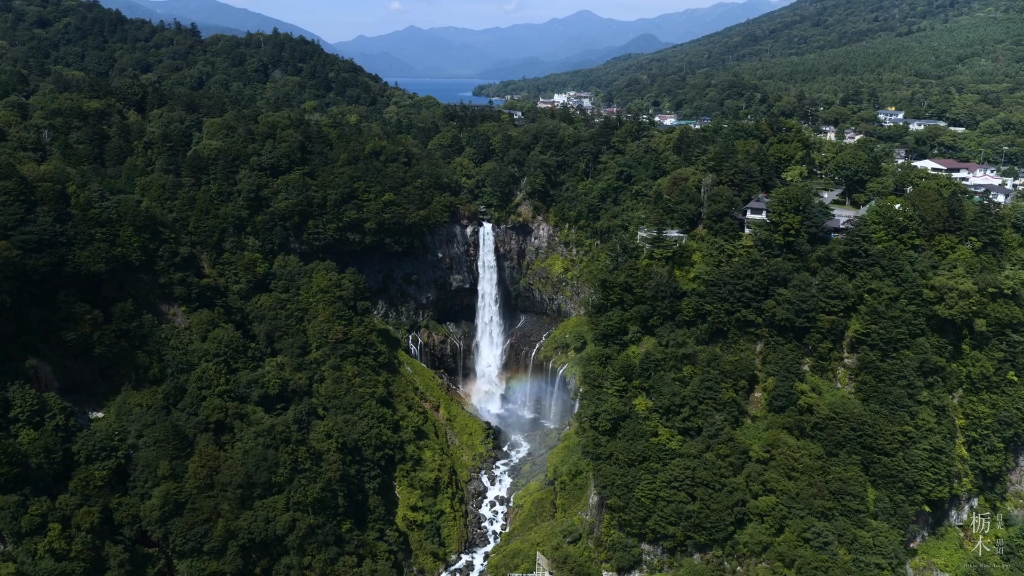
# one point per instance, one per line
(556, 395)
(490, 333)
(528, 401)
(416, 349)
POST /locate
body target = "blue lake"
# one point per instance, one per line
(451, 91)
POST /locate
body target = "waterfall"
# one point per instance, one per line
(528, 402)
(556, 395)
(490, 334)
(416, 350)
(489, 358)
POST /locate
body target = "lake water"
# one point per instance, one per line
(451, 91)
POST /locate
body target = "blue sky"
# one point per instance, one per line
(336, 20)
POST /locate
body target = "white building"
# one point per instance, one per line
(842, 216)
(850, 136)
(966, 172)
(993, 192)
(889, 116)
(755, 210)
(915, 125)
(666, 119)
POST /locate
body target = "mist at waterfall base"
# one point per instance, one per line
(518, 399)
(516, 403)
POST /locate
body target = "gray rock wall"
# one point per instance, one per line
(439, 282)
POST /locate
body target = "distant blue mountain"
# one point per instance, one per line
(211, 16)
(532, 67)
(576, 41)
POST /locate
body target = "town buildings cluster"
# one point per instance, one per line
(842, 216)
(584, 102)
(981, 179)
(579, 100)
(892, 117)
(887, 117)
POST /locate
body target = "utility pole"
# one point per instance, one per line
(1003, 159)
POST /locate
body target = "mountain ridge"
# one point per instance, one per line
(459, 52)
(643, 44)
(764, 55)
(211, 16)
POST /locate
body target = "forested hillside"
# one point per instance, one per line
(173, 216)
(828, 60)
(784, 402)
(194, 380)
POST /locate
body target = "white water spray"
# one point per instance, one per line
(490, 333)
(555, 404)
(494, 509)
(489, 359)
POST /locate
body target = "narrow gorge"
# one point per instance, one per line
(495, 360)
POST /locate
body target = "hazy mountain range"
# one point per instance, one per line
(211, 16)
(580, 40)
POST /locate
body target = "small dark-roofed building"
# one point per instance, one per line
(839, 226)
(755, 210)
(993, 192)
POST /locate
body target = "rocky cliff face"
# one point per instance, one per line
(534, 266)
(439, 282)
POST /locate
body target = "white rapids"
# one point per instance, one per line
(496, 516)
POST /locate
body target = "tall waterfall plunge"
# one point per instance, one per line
(489, 345)
(527, 402)
(487, 396)
(517, 398)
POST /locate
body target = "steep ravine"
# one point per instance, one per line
(437, 296)
(432, 293)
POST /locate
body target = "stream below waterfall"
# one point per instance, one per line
(494, 509)
(516, 402)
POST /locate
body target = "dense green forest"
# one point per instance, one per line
(836, 62)
(175, 218)
(785, 402)
(194, 380)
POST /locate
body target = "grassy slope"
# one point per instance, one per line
(552, 515)
(446, 446)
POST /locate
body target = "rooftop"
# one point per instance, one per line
(993, 188)
(950, 164)
(760, 201)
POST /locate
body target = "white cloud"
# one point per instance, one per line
(395, 6)
(510, 6)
